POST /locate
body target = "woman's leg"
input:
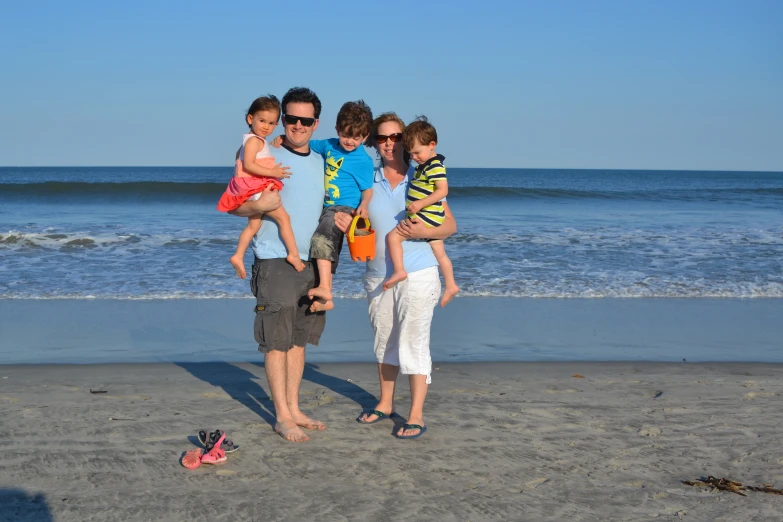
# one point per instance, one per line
(238, 259)
(387, 375)
(414, 310)
(439, 249)
(419, 389)
(283, 221)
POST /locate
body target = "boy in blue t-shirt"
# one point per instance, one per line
(348, 177)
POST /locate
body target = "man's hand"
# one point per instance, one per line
(342, 220)
(268, 201)
(362, 211)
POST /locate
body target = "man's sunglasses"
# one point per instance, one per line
(381, 138)
(291, 120)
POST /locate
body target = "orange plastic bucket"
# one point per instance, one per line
(361, 247)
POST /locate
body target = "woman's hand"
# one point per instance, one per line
(413, 229)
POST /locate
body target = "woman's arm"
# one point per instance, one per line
(418, 230)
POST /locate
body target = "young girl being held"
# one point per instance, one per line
(254, 171)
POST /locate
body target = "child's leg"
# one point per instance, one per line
(394, 244)
(238, 259)
(324, 288)
(439, 249)
(283, 221)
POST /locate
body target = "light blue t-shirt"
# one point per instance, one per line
(387, 208)
(302, 197)
(346, 174)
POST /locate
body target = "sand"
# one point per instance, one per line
(506, 441)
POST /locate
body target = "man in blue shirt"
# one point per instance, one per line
(284, 324)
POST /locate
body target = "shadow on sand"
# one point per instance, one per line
(242, 386)
(20, 506)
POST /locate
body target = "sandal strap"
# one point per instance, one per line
(412, 427)
(376, 413)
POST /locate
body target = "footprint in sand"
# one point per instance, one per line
(754, 395)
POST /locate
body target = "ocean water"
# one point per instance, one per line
(154, 233)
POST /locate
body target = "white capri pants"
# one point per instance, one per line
(401, 319)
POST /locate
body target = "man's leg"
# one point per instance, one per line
(295, 364)
(276, 365)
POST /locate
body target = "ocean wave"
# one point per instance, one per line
(147, 190)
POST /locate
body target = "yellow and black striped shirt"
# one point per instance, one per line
(423, 185)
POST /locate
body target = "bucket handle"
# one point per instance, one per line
(352, 228)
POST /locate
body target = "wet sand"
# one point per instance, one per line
(506, 441)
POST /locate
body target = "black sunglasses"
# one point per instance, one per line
(291, 120)
(381, 138)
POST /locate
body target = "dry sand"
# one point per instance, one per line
(506, 441)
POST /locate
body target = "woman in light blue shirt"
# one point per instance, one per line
(401, 316)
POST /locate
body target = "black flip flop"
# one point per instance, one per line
(208, 439)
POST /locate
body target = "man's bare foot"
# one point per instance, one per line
(395, 278)
(306, 422)
(319, 305)
(448, 294)
(239, 265)
(319, 292)
(291, 432)
(294, 260)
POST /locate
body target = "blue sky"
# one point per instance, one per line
(665, 84)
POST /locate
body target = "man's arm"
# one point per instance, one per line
(418, 230)
(269, 200)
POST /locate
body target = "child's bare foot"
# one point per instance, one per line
(319, 305)
(239, 265)
(294, 260)
(395, 278)
(448, 294)
(319, 292)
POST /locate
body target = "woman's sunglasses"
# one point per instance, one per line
(291, 120)
(381, 138)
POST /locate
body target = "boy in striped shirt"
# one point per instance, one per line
(425, 195)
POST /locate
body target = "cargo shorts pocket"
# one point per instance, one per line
(259, 276)
(266, 324)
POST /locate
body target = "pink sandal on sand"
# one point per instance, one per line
(215, 455)
(192, 458)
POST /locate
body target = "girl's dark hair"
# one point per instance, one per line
(264, 103)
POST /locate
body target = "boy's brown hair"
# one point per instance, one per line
(354, 119)
(419, 131)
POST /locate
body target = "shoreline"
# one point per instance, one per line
(469, 329)
(506, 441)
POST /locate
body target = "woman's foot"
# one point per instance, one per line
(319, 292)
(395, 278)
(411, 432)
(319, 305)
(368, 417)
(293, 260)
(239, 265)
(448, 294)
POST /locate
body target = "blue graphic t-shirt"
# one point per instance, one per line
(346, 174)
